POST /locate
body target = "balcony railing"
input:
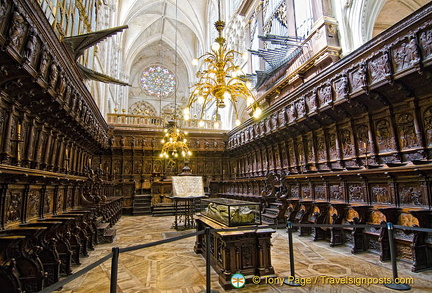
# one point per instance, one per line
(134, 120)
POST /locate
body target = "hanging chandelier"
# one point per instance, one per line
(220, 80)
(174, 143)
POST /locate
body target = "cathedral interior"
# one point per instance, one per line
(310, 112)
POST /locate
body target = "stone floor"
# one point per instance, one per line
(174, 267)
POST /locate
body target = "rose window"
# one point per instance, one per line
(158, 81)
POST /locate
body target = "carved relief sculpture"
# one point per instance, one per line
(427, 120)
(379, 68)
(282, 118)
(355, 193)
(406, 129)
(347, 145)
(311, 102)
(291, 113)
(341, 87)
(17, 29)
(406, 55)
(384, 137)
(358, 77)
(426, 43)
(321, 148)
(32, 49)
(325, 95)
(300, 107)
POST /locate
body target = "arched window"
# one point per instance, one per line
(158, 81)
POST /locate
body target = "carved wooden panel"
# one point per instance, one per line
(336, 192)
(60, 201)
(291, 113)
(311, 102)
(379, 67)
(406, 54)
(427, 124)
(291, 154)
(381, 193)
(310, 148)
(358, 77)
(34, 198)
(300, 106)
(325, 95)
(306, 192)
(406, 131)
(320, 193)
(347, 143)
(13, 205)
(321, 146)
(385, 139)
(48, 201)
(425, 42)
(340, 86)
(356, 192)
(68, 198)
(295, 192)
(332, 143)
(411, 194)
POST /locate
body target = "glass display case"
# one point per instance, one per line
(231, 212)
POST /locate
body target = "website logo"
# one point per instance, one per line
(238, 280)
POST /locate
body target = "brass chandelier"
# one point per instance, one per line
(174, 141)
(220, 79)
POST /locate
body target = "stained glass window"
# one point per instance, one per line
(158, 81)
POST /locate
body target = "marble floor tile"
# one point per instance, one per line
(175, 268)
